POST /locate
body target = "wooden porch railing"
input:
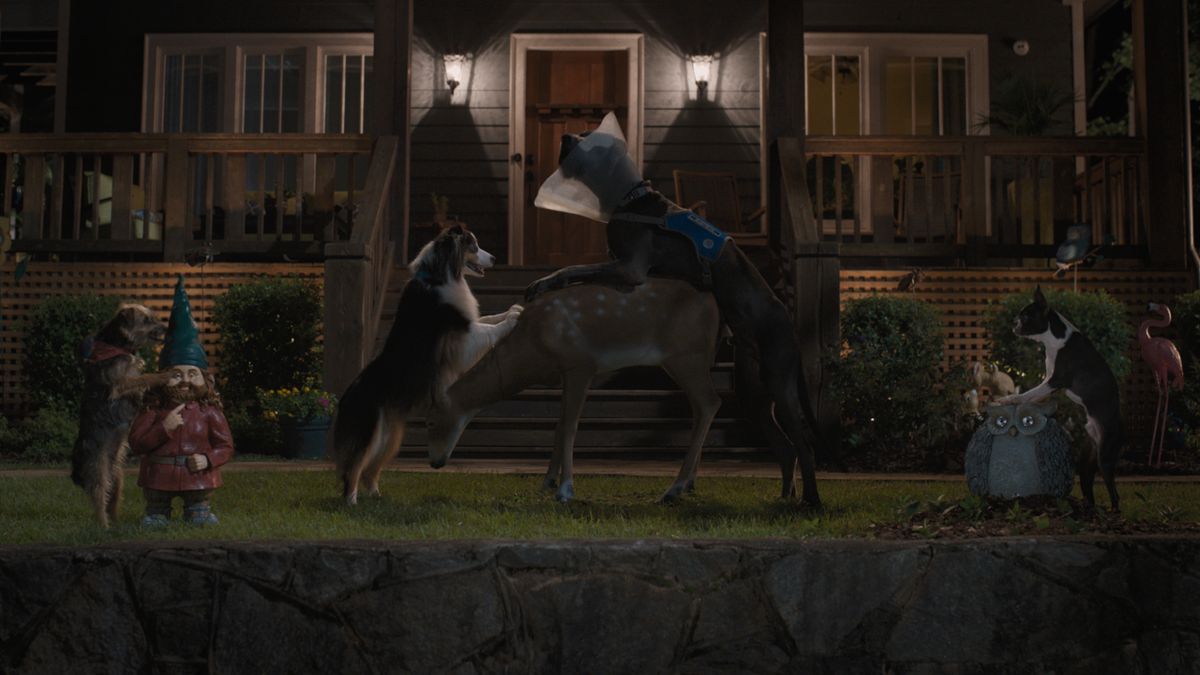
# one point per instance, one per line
(356, 275)
(173, 196)
(974, 196)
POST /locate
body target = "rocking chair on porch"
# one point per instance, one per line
(715, 197)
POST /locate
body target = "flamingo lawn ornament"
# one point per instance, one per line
(1163, 358)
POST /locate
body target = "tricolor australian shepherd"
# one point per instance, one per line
(437, 336)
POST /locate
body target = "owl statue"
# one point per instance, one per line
(1020, 451)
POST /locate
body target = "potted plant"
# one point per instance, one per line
(303, 414)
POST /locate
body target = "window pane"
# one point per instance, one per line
(172, 92)
(210, 96)
(333, 94)
(252, 95)
(897, 72)
(846, 93)
(954, 96)
(820, 95)
(353, 91)
(290, 115)
(270, 96)
(925, 86)
(191, 92)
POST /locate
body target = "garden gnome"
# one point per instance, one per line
(182, 435)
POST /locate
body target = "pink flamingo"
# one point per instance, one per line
(1163, 358)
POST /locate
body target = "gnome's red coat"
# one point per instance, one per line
(204, 431)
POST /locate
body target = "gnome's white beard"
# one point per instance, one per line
(594, 177)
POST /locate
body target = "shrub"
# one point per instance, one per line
(897, 406)
(46, 436)
(1099, 316)
(252, 434)
(268, 335)
(1186, 405)
(53, 333)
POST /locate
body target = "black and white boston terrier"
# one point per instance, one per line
(1072, 363)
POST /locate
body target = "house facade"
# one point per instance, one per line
(827, 136)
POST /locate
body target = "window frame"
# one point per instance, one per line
(873, 50)
(235, 47)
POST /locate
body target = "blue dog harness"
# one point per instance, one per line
(706, 237)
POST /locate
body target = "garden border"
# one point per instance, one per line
(1074, 604)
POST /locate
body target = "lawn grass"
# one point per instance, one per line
(274, 505)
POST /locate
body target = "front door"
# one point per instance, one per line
(567, 92)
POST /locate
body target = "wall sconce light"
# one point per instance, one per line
(456, 65)
(701, 69)
(1020, 47)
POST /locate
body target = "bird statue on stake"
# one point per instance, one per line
(1164, 360)
(1077, 250)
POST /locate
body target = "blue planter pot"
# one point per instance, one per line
(304, 439)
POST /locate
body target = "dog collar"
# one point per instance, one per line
(641, 190)
(103, 351)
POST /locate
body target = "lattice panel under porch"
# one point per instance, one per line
(151, 284)
(965, 296)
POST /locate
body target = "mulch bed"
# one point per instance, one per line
(993, 517)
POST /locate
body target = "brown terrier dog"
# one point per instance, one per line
(112, 391)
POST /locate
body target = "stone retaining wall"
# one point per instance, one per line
(993, 606)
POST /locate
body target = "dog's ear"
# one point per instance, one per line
(568, 143)
(127, 318)
(456, 230)
(1038, 298)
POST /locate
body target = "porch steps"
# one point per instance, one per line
(633, 413)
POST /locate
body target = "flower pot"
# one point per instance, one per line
(304, 439)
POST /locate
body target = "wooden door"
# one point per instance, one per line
(569, 92)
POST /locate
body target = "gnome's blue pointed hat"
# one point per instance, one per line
(182, 345)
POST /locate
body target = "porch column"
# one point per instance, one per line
(392, 78)
(815, 266)
(1163, 117)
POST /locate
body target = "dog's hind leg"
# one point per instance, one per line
(118, 481)
(385, 451)
(356, 462)
(758, 408)
(101, 487)
(1108, 449)
(781, 373)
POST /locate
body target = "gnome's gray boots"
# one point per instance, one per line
(156, 518)
(199, 514)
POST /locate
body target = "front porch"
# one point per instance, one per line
(864, 203)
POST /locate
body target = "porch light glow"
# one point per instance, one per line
(701, 67)
(455, 65)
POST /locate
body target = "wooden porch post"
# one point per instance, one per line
(393, 65)
(351, 283)
(816, 266)
(346, 319)
(1163, 118)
